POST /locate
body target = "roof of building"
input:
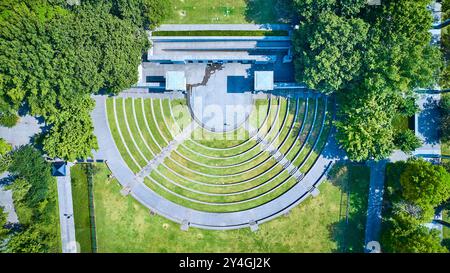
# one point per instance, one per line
(176, 80)
(59, 169)
(263, 80)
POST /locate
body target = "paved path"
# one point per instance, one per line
(183, 215)
(22, 133)
(376, 190)
(66, 221)
(249, 27)
(427, 124)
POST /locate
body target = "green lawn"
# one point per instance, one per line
(80, 195)
(353, 180)
(223, 12)
(123, 225)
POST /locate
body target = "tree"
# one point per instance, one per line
(54, 56)
(380, 72)
(404, 235)
(445, 47)
(34, 197)
(72, 134)
(399, 47)
(30, 240)
(144, 13)
(308, 9)
(407, 141)
(28, 164)
(328, 52)
(3, 230)
(444, 106)
(424, 184)
(408, 107)
(365, 126)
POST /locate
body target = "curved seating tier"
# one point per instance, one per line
(221, 172)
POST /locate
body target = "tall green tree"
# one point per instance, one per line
(71, 135)
(54, 56)
(28, 164)
(34, 196)
(309, 9)
(30, 240)
(5, 147)
(444, 107)
(397, 58)
(407, 141)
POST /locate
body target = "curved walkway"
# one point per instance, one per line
(195, 218)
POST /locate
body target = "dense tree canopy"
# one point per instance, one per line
(444, 107)
(5, 147)
(330, 51)
(3, 230)
(372, 58)
(407, 141)
(28, 164)
(405, 235)
(365, 128)
(53, 56)
(34, 196)
(145, 13)
(308, 9)
(414, 189)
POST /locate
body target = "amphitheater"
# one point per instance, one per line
(166, 158)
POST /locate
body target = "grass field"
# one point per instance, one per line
(123, 225)
(221, 33)
(446, 217)
(81, 207)
(222, 12)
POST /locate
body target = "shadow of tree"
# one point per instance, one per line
(270, 11)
